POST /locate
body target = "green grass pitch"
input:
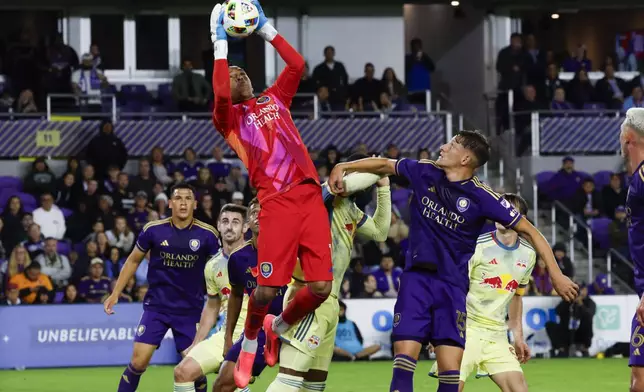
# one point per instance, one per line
(553, 375)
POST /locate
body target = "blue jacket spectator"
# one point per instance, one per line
(190, 166)
(635, 100)
(565, 183)
(418, 68)
(388, 277)
(218, 165)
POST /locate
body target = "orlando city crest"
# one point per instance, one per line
(194, 245)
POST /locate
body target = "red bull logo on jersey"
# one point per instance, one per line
(502, 283)
(521, 264)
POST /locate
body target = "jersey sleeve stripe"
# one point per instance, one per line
(429, 161)
(486, 188)
(206, 226)
(362, 220)
(526, 244)
(398, 163)
(156, 223)
(139, 246)
(245, 244)
(641, 171)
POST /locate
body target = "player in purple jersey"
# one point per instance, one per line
(448, 210)
(179, 248)
(242, 274)
(632, 144)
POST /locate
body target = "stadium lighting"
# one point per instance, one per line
(555, 16)
(455, 3)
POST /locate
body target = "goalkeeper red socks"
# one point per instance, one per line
(305, 302)
(254, 318)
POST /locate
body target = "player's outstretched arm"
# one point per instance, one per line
(222, 114)
(380, 166)
(289, 80)
(208, 319)
(377, 228)
(127, 272)
(515, 315)
(565, 287)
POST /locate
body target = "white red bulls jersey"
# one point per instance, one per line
(217, 284)
(497, 272)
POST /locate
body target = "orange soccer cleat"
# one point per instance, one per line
(272, 346)
(244, 368)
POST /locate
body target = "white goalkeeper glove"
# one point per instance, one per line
(217, 32)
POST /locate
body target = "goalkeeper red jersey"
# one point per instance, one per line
(261, 130)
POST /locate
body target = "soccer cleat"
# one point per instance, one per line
(272, 346)
(244, 369)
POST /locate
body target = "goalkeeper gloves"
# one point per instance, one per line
(262, 17)
(217, 32)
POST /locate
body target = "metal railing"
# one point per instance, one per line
(609, 266)
(573, 222)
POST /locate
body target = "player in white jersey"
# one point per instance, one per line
(499, 271)
(307, 347)
(206, 355)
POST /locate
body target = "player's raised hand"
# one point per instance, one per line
(262, 17)
(522, 351)
(217, 32)
(336, 179)
(108, 305)
(566, 288)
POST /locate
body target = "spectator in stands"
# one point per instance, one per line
(73, 166)
(307, 86)
(349, 345)
(13, 232)
(577, 61)
(370, 287)
(582, 309)
(114, 263)
(97, 227)
(600, 286)
(325, 102)
(205, 182)
(331, 157)
(618, 231)
(529, 103)
(565, 184)
(80, 266)
(356, 277)
(123, 298)
(580, 90)
(418, 71)
(55, 265)
(34, 242)
(587, 202)
(63, 59)
(27, 220)
(124, 196)
(43, 297)
(121, 236)
(102, 245)
(177, 178)
(160, 201)
(40, 179)
(510, 64)
(26, 102)
(71, 295)
(552, 82)
(138, 216)
(91, 198)
(105, 212)
(388, 277)
(332, 75)
(221, 195)
(65, 192)
(145, 180)
(12, 295)
(190, 165)
(190, 90)
(159, 168)
(635, 100)
(97, 58)
(236, 181)
(206, 211)
(366, 91)
(88, 174)
(18, 261)
(105, 150)
(24, 63)
(610, 89)
(613, 195)
(323, 172)
(93, 287)
(111, 181)
(140, 292)
(559, 101)
(345, 289)
(218, 165)
(238, 198)
(423, 153)
(540, 282)
(79, 224)
(535, 61)
(30, 282)
(565, 264)
(394, 88)
(89, 82)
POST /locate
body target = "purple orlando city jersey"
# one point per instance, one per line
(447, 218)
(635, 223)
(177, 261)
(242, 271)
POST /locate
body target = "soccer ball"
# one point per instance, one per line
(240, 18)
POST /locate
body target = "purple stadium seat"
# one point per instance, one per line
(599, 227)
(596, 106)
(58, 298)
(135, 97)
(79, 248)
(63, 248)
(602, 178)
(27, 199)
(543, 177)
(7, 182)
(29, 208)
(166, 100)
(67, 212)
(584, 175)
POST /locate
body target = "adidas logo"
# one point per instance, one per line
(165, 243)
(637, 351)
(493, 262)
(432, 189)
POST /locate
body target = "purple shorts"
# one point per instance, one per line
(429, 309)
(154, 325)
(260, 362)
(637, 344)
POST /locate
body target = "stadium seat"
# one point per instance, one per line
(63, 248)
(585, 175)
(602, 178)
(543, 177)
(79, 248)
(599, 228)
(598, 107)
(27, 200)
(166, 100)
(135, 98)
(58, 298)
(7, 182)
(66, 212)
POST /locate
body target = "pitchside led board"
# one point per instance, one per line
(34, 336)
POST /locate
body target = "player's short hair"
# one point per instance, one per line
(356, 157)
(517, 201)
(253, 202)
(634, 120)
(182, 185)
(241, 210)
(477, 144)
